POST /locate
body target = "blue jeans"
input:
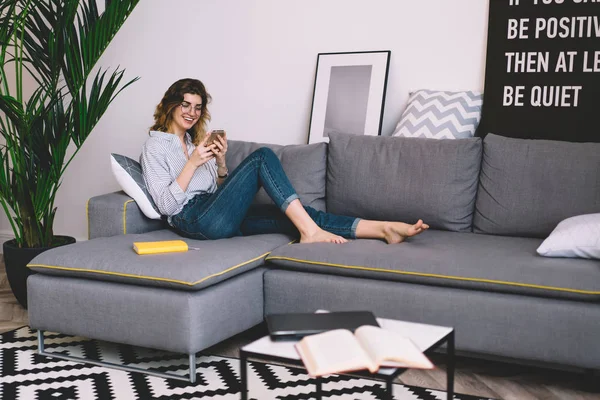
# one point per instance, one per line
(228, 212)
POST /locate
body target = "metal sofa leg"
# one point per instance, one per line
(192, 360)
(192, 368)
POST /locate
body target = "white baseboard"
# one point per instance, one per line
(6, 235)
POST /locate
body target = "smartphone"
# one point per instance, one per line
(213, 136)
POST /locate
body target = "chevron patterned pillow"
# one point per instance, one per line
(440, 115)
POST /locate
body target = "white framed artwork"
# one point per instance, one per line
(349, 94)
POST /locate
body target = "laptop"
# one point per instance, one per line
(296, 326)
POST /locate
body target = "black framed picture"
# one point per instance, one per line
(349, 94)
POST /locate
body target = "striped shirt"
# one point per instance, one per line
(162, 161)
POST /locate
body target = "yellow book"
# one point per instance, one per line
(163, 246)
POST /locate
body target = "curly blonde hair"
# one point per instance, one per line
(173, 97)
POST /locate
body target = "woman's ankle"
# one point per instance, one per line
(300, 218)
(369, 229)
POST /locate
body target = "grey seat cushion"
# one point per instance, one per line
(113, 259)
(463, 260)
(528, 186)
(304, 164)
(404, 179)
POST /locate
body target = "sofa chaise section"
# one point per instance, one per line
(172, 320)
(112, 259)
(181, 302)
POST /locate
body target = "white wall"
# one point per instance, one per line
(257, 58)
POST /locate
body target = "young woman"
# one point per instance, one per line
(189, 182)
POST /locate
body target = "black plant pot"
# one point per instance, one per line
(16, 260)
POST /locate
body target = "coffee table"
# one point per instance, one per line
(426, 337)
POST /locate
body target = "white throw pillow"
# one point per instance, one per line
(128, 173)
(574, 237)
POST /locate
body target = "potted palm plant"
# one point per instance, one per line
(52, 45)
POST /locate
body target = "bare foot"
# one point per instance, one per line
(322, 236)
(396, 232)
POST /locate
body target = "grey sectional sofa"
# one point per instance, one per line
(490, 204)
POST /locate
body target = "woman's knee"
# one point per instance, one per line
(264, 152)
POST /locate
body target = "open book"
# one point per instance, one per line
(369, 348)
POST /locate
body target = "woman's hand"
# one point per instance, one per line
(202, 154)
(220, 150)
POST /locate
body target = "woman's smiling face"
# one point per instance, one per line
(187, 114)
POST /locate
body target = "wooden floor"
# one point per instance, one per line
(475, 377)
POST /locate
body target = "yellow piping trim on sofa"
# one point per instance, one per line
(87, 215)
(458, 278)
(148, 277)
(125, 216)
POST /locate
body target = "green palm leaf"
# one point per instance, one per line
(58, 43)
(86, 42)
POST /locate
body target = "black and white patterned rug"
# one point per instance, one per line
(25, 375)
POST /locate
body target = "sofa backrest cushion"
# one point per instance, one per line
(404, 179)
(527, 186)
(304, 164)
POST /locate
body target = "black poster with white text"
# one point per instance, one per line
(542, 78)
